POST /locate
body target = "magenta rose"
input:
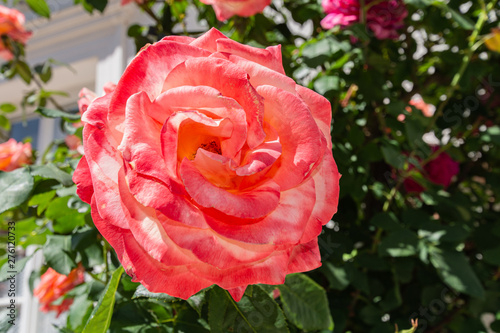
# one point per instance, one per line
(440, 170)
(224, 9)
(208, 165)
(383, 18)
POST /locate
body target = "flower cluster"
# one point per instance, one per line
(383, 18)
(12, 27)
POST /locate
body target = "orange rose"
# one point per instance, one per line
(12, 25)
(14, 154)
(53, 285)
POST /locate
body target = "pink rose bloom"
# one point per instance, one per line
(440, 170)
(74, 143)
(12, 25)
(340, 12)
(208, 165)
(54, 285)
(383, 17)
(224, 9)
(14, 155)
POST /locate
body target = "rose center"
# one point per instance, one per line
(212, 147)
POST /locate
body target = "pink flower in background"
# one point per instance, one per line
(383, 17)
(419, 103)
(14, 155)
(74, 143)
(12, 25)
(124, 2)
(208, 165)
(340, 12)
(440, 170)
(54, 285)
(224, 9)
(386, 17)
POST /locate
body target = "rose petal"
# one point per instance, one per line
(304, 257)
(321, 110)
(285, 225)
(269, 57)
(300, 138)
(154, 63)
(248, 205)
(83, 180)
(208, 101)
(231, 81)
(326, 182)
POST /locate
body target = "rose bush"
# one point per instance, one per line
(54, 285)
(14, 155)
(207, 165)
(225, 9)
(12, 26)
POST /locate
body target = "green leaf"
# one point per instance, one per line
(40, 7)
(326, 83)
(337, 276)
(305, 303)
(24, 71)
(15, 188)
(51, 113)
(462, 21)
(455, 271)
(141, 291)
(392, 154)
(100, 319)
(41, 200)
(100, 5)
(419, 3)
(7, 107)
(44, 71)
(414, 131)
(258, 313)
(492, 256)
(7, 270)
(50, 171)
(79, 312)
(4, 122)
(57, 253)
(400, 243)
(188, 320)
(386, 221)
